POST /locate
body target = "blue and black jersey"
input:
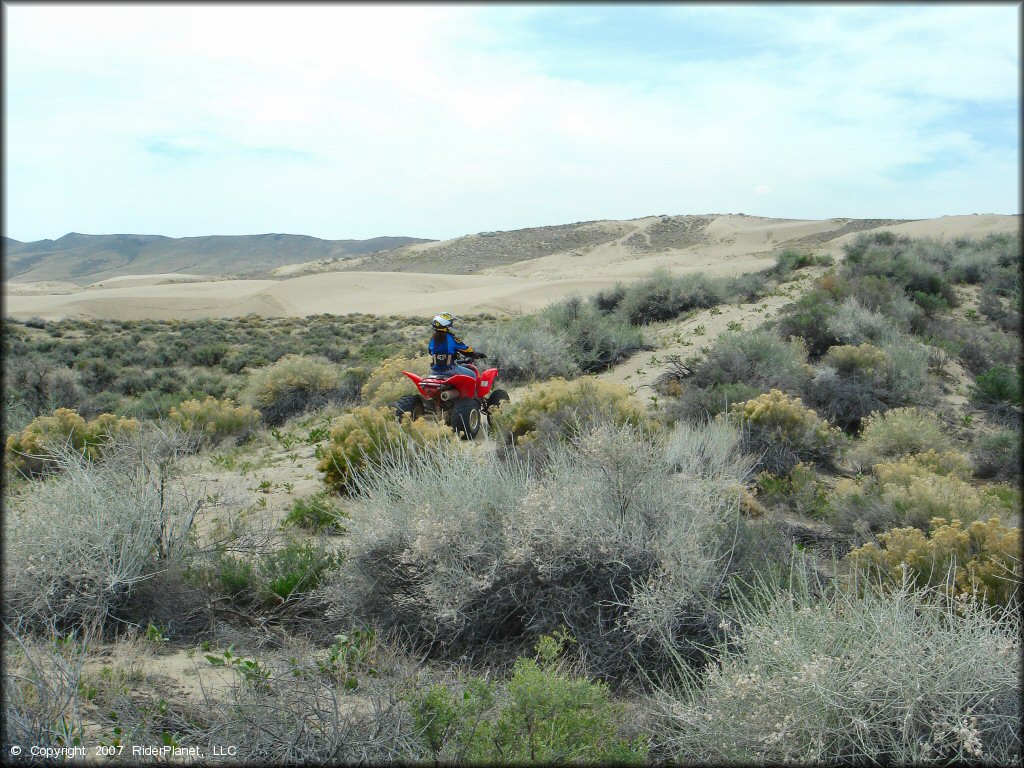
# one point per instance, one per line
(443, 354)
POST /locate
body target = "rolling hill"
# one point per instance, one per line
(84, 259)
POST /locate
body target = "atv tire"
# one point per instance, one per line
(466, 418)
(411, 404)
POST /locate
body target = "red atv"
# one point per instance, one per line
(457, 401)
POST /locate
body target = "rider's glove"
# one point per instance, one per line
(480, 356)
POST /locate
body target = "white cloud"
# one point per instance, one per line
(355, 121)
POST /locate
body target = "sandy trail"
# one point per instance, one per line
(686, 337)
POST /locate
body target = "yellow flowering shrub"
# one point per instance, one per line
(215, 418)
(948, 463)
(899, 432)
(912, 492)
(31, 450)
(386, 384)
(749, 504)
(366, 434)
(865, 360)
(982, 559)
(937, 496)
(558, 407)
(784, 432)
(775, 409)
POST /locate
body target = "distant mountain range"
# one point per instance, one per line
(85, 259)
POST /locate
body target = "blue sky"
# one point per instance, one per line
(351, 121)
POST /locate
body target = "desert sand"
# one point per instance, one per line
(731, 244)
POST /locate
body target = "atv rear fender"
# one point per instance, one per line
(466, 385)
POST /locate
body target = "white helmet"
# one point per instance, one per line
(444, 321)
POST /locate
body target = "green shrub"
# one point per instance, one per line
(352, 654)
(295, 568)
(799, 491)
(1005, 281)
(982, 261)
(596, 341)
(208, 355)
(317, 513)
(15, 418)
(997, 385)
(293, 385)
(810, 318)
(982, 560)
(879, 294)
(738, 367)
(750, 286)
(780, 431)
(215, 419)
(152, 404)
(919, 267)
(105, 402)
(756, 358)
(854, 381)
(664, 296)
(945, 464)
(894, 679)
(237, 360)
(31, 451)
(990, 305)
(234, 575)
(925, 498)
(849, 385)
(907, 380)
(844, 400)
(202, 382)
(897, 433)
(527, 349)
(789, 261)
(997, 455)
(366, 436)
(1009, 496)
(539, 715)
(609, 300)
(980, 347)
(931, 303)
(866, 359)
(350, 388)
(41, 385)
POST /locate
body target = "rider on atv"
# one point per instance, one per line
(456, 395)
(445, 346)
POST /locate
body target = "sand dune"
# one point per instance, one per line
(134, 280)
(730, 244)
(950, 227)
(40, 287)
